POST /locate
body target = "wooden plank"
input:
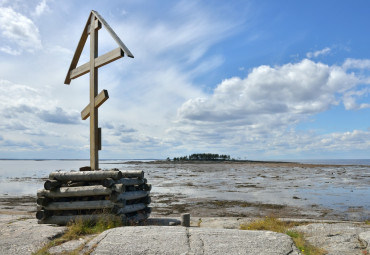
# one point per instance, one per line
(82, 205)
(130, 208)
(99, 62)
(99, 139)
(132, 174)
(78, 51)
(52, 184)
(95, 190)
(119, 188)
(79, 71)
(109, 57)
(85, 176)
(42, 214)
(125, 181)
(99, 100)
(41, 200)
(113, 34)
(94, 152)
(129, 195)
(97, 26)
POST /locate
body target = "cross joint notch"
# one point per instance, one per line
(97, 25)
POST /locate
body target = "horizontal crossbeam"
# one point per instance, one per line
(99, 100)
(99, 61)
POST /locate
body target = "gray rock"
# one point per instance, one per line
(364, 237)
(336, 239)
(177, 240)
(68, 247)
(25, 236)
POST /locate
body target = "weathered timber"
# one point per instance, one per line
(93, 24)
(64, 220)
(76, 184)
(132, 174)
(146, 187)
(97, 25)
(146, 200)
(130, 208)
(41, 200)
(119, 188)
(85, 168)
(52, 184)
(85, 176)
(96, 190)
(148, 209)
(125, 181)
(99, 62)
(129, 195)
(185, 220)
(99, 100)
(113, 34)
(82, 205)
(94, 150)
(42, 214)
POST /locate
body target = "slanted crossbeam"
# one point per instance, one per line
(93, 24)
(99, 100)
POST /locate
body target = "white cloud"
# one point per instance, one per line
(26, 110)
(315, 54)
(349, 99)
(298, 89)
(41, 8)
(10, 51)
(257, 115)
(351, 63)
(18, 32)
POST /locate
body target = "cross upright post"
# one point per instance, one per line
(94, 151)
(93, 24)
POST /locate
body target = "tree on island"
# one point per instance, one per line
(203, 156)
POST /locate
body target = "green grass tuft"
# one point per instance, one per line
(79, 228)
(276, 225)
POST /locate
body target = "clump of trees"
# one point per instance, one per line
(203, 156)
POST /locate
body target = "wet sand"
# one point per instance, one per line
(254, 189)
(244, 189)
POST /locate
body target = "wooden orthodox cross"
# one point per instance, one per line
(93, 24)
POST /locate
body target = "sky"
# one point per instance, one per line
(259, 80)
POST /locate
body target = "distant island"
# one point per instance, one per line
(202, 157)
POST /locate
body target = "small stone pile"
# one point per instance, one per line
(91, 194)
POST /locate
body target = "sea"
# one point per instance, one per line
(19, 177)
(341, 186)
(24, 176)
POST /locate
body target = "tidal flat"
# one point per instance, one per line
(254, 189)
(237, 189)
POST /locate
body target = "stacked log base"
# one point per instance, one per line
(92, 194)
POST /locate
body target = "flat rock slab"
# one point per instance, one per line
(25, 236)
(364, 237)
(337, 239)
(179, 240)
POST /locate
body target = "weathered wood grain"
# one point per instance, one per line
(82, 191)
(85, 176)
(82, 205)
(99, 100)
